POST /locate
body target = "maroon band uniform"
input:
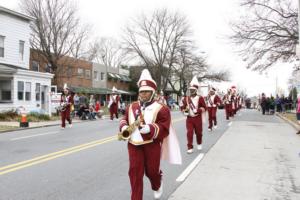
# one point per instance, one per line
(114, 101)
(66, 101)
(213, 101)
(194, 119)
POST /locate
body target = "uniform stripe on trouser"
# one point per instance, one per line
(194, 125)
(144, 159)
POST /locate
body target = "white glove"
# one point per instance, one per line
(145, 129)
(195, 110)
(124, 127)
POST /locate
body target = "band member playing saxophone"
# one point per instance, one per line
(146, 124)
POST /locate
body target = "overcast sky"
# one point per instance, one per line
(208, 19)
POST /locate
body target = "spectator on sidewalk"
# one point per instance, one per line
(76, 102)
(282, 103)
(92, 113)
(272, 105)
(83, 112)
(268, 102)
(263, 103)
(298, 111)
(278, 104)
(92, 100)
(98, 109)
(82, 100)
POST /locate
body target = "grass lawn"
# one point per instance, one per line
(291, 116)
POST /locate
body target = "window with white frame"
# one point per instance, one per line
(21, 50)
(35, 65)
(102, 76)
(27, 91)
(2, 38)
(37, 91)
(95, 75)
(80, 72)
(5, 90)
(69, 71)
(20, 90)
(48, 68)
(88, 74)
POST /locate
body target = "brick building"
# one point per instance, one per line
(75, 72)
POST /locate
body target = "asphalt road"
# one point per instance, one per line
(84, 162)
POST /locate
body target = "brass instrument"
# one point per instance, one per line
(187, 108)
(125, 134)
(62, 107)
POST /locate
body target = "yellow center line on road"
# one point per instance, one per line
(27, 163)
(51, 156)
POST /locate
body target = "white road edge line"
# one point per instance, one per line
(190, 168)
(30, 136)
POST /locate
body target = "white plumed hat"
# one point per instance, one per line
(194, 84)
(66, 87)
(114, 89)
(146, 82)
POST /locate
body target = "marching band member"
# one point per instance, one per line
(234, 100)
(151, 141)
(228, 104)
(114, 104)
(65, 103)
(193, 106)
(161, 98)
(213, 101)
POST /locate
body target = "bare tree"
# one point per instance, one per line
(268, 33)
(155, 39)
(57, 31)
(107, 51)
(188, 63)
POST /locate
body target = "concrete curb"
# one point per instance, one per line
(48, 125)
(293, 124)
(27, 128)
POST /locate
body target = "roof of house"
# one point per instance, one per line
(14, 13)
(12, 66)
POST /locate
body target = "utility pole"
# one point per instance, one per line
(298, 46)
(276, 85)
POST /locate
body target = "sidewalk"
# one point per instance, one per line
(257, 158)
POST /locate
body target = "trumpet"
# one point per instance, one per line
(125, 134)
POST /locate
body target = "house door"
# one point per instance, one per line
(44, 98)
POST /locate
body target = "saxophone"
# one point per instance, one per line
(125, 134)
(187, 108)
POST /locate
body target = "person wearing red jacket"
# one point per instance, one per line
(146, 141)
(66, 102)
(193, 107)
(213, 101)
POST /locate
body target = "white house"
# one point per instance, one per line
(18, 85)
